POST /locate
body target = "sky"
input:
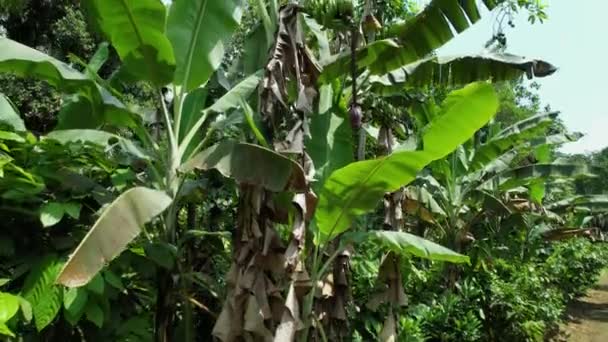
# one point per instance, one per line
(573, 39)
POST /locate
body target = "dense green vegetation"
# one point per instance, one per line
(264, 170)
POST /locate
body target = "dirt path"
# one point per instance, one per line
(589, 315)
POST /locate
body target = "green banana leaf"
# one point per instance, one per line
(99, 138)
(523, 175)
(193, 118)
(90, 106)
(413, 40)
(458, 70)
(330, 145)
(198, 30)
(434, 26)
(136, 29)
(595, 203)
(9, 115)
(406, 244)
(511, 137)
(357, 188)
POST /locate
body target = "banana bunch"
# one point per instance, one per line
(333, 14)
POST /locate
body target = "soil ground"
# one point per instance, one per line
(588, 316)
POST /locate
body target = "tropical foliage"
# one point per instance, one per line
(267, 170)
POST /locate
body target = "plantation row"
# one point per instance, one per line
(271, 170)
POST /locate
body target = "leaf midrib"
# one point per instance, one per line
(359, 190)
(193, 39)
(137, 34)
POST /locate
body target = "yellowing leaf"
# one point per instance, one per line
(120, 223)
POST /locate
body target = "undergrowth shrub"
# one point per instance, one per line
(501, 299)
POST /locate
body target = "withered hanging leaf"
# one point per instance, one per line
(291, 66)
(298, 230)
(290, 322)
(254, 321)
(389, 330)
(226, 328)
(390, 283)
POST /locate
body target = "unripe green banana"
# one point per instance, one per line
(331, 13)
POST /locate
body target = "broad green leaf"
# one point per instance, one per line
(524, 175)
(420, 36)
(118, 225)
(330, 145)
(136, 29)
(232, 98)
(543, 154)
(27, 62)
(122, 178)
(511, 137)
(250, 164)
(72, 209)
(458, 70)
(97, 285)
(407, 244)
(254, 58)
(432, 28)
(41, 292)
(537, 123)
(269, 25)
(78, 111)
(113, 279)
(366, 56)
(4, 330)
(229, 101)
(89, 106)
(9, 305)
(556, 139)
(162, 254)
(9, 115)
(321, 39)
(51, 213)
(199, 31)
(75, 300)
(537, 190)
(10, 136)
(358, 188)
(596, 203)
(192, 110)
(94, 313)
(96, 137)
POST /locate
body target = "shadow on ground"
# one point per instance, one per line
(585, 310)
(588, 316)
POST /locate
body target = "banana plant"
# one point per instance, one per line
(391, 66)
(405, 58)
(180, 48)
(490, 180)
